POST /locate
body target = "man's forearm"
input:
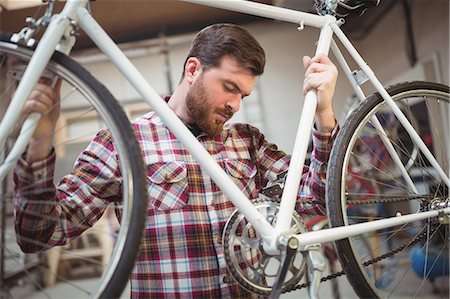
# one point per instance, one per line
(325, 121)
(38, 150)
(35, 202)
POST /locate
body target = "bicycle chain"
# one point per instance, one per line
(389, 200)
(288, 288)
(369, 262)
(378, 258)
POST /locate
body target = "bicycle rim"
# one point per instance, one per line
(98, 263)
(404, 261)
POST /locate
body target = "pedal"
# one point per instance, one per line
(274, 189)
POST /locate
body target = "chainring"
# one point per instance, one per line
(250, 266)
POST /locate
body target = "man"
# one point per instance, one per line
(182, 255)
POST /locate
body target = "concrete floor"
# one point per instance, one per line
(65, 291)
(76, 288)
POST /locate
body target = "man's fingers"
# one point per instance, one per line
(44, 89)
(41, 96)
(306, 61)
(45, 81)
(36, 106)
(41, 100)
(321, 58)
(317, 64)
(316, 67)
(312, 81)
(316, 81)
(58, 84)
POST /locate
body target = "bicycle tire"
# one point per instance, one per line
(134, 201)
(345, 206)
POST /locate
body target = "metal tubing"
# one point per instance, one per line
(267, 11)
(21, 143)
(301, 144)
(342, 232)
(347, 71)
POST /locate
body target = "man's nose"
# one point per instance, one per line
(234, 103)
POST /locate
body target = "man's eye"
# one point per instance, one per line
(229, 88)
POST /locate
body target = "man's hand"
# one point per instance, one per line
(321, 74)
(45, 100)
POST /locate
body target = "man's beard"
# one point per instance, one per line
(202, 111)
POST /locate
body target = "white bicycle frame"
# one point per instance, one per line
(75, 12)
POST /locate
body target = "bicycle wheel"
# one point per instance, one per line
(405, 261)
(105, 253)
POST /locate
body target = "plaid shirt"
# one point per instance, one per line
(182, 254)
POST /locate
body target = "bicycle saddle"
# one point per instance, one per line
(346, 8)
(350, 8)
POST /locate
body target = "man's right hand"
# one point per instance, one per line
(45, 100)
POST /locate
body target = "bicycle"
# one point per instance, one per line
(254, 229)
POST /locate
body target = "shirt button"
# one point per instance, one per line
(226, 279)
(219, 239)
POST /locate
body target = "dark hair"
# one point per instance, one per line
(216, 41)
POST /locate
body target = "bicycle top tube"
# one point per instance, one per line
(269, 11)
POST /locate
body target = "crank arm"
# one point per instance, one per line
(288, 251)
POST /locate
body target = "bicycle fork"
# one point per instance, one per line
(60, 26)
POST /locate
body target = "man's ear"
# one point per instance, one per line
(192, 69)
